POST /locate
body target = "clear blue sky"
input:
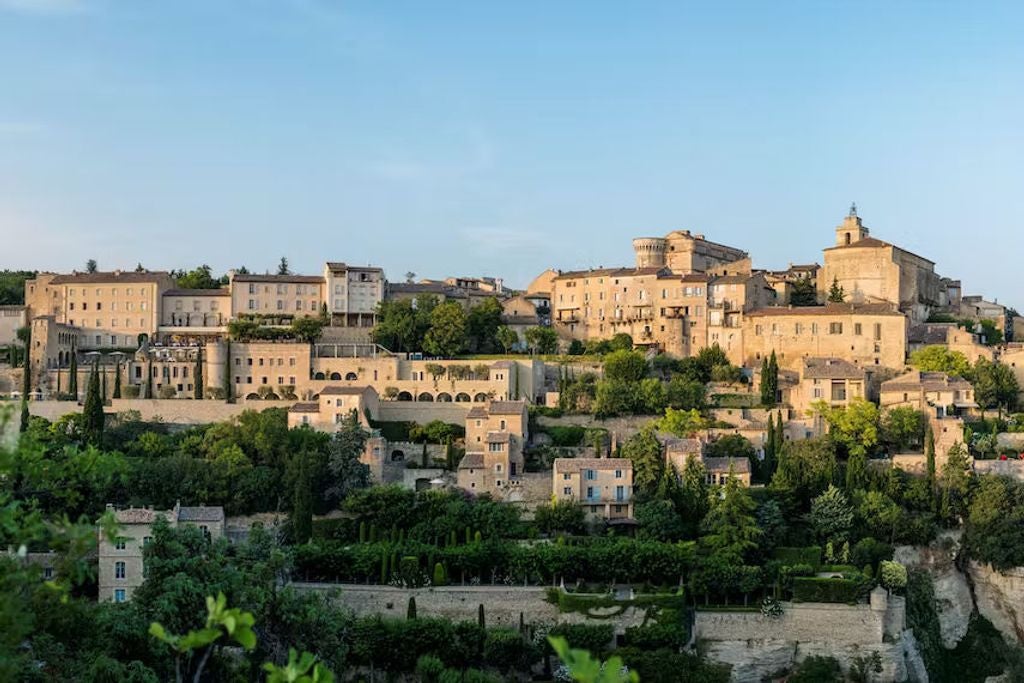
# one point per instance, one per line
(502, 138)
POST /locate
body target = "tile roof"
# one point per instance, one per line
(137, 516)
(344, 391)
(477, 413)
(126, 276)
(305, 408)
(577, 464)
(506, 407)
(831, 368)
(201, 513)
(302, 279)
(915, 380)
(471, 460)
(827, 309)
(683, 446)
(498, 437)
(503, 364)
(610, 272)
(220, 291)
(739, 465)
(730, 280)
(339, 265)
(875, 243)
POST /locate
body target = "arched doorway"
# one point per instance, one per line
(480, 398)
(462, 398)
(397, 455)
(335, 375)
(403, 396)
(351, 376)
(319, 375)
(444, 397)
(425, 396)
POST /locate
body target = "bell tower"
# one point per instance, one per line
(852, 230)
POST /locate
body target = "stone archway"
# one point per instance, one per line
(444, 397)
(351, 376)
(462, 397)
(425, 396)
(403, 396)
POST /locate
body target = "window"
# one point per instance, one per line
(567, 491)
(119, 595)
(119, 570)
(857, 329)
(566, 476)
(618, 474)
(620, 493)
(590, 492)
(146, 540)
(835, 328)
(798, 328)
(591, 475)
(878, 331)
(48, 573)
(252, 304)
(119, 544)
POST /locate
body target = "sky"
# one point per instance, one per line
(503, 138)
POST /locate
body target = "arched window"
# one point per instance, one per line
(351, 376)
(480, 398)
(404, 396)
(444, 397)
(462, 398)
(425, 396)
(335, 375)
(319, 375)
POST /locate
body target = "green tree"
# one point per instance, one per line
(73, 371)
(684, 423)
(117, 380)
(302, 500)
(541, 340)
(229, 389)
(806, 468)
(995, 386)
(831, 515)
(644, 450)
(854, 426)
(197, 375)
(659, 520)
(307, 328)
(282, 267)
(560, 516)
(685, 394)
(347, 472)
(955, 485)
(447, 334)
(626, 366)
(803, 292)
(90, 266)
(929, 459)
(903, 427)
(506, 337)
(92, 411)
(583, 668)
(836, 293)
(198, 278)
(940, 359)
(482, 324)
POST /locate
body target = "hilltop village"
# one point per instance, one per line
(694, 465)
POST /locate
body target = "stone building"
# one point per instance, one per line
(496, 436)
(783, 281)
(602, 486)
(951, 336)
(682, 252)
(866, 334)
(1013, 357)
(12, 318)
(934, 393)
(275, 296)
(871, 270)
(352, 293)
(835, 381)
(333, 406)
(194, 314)
(120, 562)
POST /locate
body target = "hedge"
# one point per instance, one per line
(602, 559)
(814, 589)
(790, 556)
(565, 436)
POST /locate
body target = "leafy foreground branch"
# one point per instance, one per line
(224, 626)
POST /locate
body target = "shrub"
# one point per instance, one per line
(563, 436)
(817, 670)
(792, 556)
(167, 391)
(814, 589)
(893, 575)
(870, 551)
(439, 575)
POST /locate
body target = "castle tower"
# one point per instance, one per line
(852, 230)
(650, 252)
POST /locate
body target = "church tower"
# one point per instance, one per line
(852, 230)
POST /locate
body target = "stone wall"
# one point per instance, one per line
(424, 411)
(172, 411)
(758, 647)
(502, 604)
(1000, 598)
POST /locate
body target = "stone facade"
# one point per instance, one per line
(863, 334)
(934, 393)
(11, 319)
(120, 561)
(870, 270)
(602, 486)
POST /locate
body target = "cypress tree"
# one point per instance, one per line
(58, 382)
(73, 372)
(769, 451)
(773, 378)
(302, 502)
(117, 380)
(383, 568)
(477, 537)
(764, 382)
(149, 378)
(452, 541)
(439, 574)
(198, 374)
(362, 532)
(227, 373)
(410, 611)
(516, 383)
(104, 388)
(92, 410)
(929, 458)
(26, 389)
(480, 617)
(423, 458)
(469, 535)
